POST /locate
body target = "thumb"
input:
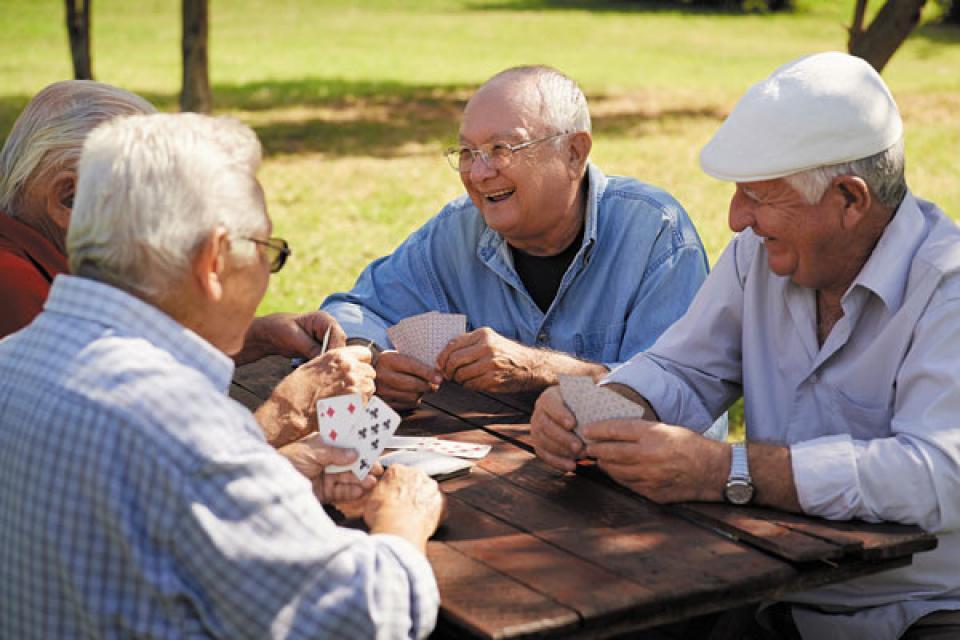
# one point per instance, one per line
(326, 455)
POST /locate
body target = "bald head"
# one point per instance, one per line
(542, 94)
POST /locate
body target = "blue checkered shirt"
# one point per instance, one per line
(138, 500)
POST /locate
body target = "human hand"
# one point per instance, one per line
(483, 360)
(402, 380)
(310, 456)
(552, 429)
(290, 335)
(291, 410)
(665, 463)
(405, 502)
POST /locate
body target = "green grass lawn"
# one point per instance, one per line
(355, 100)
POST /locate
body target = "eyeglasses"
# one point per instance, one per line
(277, 251)
(497, 156)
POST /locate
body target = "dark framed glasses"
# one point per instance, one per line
(277, 250)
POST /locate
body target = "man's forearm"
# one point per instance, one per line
(554, 364)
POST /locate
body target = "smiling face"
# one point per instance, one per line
(528, 201)
(809, 243)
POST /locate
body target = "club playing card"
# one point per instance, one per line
(458, 449)
(371, 433)
(590, 403)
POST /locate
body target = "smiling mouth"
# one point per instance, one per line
(498, 196)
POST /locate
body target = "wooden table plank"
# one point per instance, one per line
(804, 539)
(484, 603)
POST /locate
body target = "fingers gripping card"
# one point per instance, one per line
(590, 403)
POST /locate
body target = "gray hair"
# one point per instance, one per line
(883, 172)
(152, 188)
(563, 105)
(48, 135)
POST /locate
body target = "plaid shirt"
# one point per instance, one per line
(137, 499)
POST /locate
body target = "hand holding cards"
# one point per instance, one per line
(590, 403)
(344, 421)
(424, 336)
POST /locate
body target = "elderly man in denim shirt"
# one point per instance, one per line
(558, 268)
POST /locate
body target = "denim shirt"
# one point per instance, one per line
(639, 266)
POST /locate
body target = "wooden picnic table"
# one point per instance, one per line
(528, 551)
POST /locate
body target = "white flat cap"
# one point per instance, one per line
(819, 110)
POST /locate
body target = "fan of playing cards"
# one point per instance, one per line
(344, 421)
(424, 336)
(590, 403)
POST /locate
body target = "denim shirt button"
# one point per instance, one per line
(542, 337)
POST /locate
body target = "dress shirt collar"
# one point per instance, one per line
(888, 267)
(32, 244)
(106, 305)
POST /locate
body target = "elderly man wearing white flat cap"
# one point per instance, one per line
(835, 314)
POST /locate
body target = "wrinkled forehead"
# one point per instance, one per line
(508, 110)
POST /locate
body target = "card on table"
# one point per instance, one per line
(435, 465)
(591, 403)
(457, 449)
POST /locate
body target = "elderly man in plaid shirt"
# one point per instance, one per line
(136, 498)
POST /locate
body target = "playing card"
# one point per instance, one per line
(458, 449)
(590, 403)
(371, 433)
(336, 419)
(424, 336)
(433, 464)
(409, 442)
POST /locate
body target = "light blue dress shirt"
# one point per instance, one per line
(872, 417)
(138, 500)
(639, 266)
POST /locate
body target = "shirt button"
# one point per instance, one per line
(542, 337)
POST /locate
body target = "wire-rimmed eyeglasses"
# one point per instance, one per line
(277, 250)
(497, 156)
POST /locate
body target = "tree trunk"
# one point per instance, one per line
(78, 29)
(878, 42)
(196, 84)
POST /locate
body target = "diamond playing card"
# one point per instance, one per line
(336, 419)
(590, 403)
(458, 449)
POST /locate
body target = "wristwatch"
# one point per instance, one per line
(375, 349)
(739, 487)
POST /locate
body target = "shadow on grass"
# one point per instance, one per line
(342, 118)
(612, 6)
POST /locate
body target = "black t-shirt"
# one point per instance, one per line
(541, 275)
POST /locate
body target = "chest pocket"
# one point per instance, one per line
(600, 346)
(861, 421)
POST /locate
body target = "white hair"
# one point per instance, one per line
(883, 172)
(49, 133)
(563, 106)
(152, 188)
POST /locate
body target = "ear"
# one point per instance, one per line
(59, 198)
(209, 262)
(853, 194)
(578, 150)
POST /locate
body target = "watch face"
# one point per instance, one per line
(739, 491)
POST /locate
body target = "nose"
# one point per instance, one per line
(741, 214)
(480, 170)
